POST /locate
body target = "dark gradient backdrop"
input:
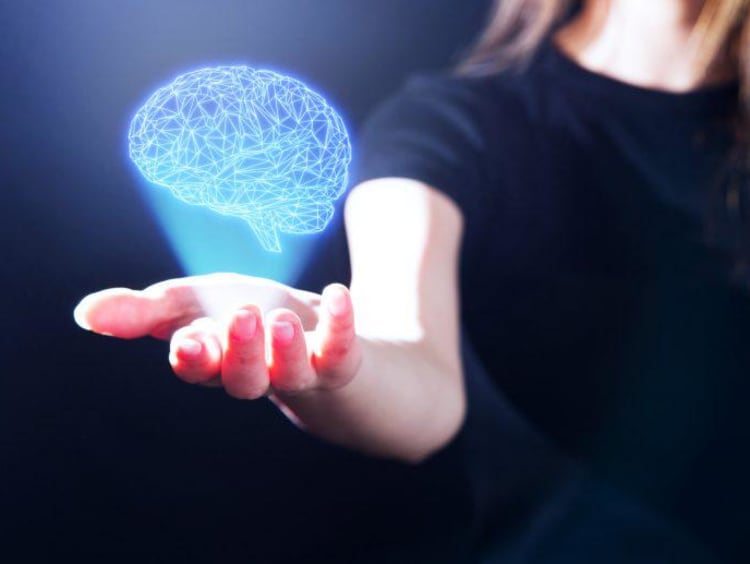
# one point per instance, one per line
(103, 454)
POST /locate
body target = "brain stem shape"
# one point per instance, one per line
(250, 143)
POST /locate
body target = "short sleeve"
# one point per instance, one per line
(430, 131)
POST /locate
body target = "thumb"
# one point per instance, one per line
(129, 314)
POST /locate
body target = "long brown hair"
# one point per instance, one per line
(514, 31)
(517, 28)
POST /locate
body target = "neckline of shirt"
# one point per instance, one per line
(711, 99)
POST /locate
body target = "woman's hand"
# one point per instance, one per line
(395, 389)
(250, 335)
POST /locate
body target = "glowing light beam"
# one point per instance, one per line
(249, 143)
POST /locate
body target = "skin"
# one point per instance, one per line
(646, 43)
(387, 383)
(376, 367)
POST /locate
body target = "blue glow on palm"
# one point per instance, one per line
(250, 143)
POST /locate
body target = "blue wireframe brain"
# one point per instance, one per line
(245, 142)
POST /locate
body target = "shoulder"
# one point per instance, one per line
(467, 110)
(461, 90)
(443, 130)
(454, 100)
(450, 88)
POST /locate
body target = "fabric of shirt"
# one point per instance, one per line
(593, 285)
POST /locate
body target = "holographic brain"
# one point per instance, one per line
(245, 142)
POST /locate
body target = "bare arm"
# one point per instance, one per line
(376, 369)
(407, 398)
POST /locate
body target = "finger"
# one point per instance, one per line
(244, 371)
(195, 352)
(290, 369)
(129, 314)
(337, 355)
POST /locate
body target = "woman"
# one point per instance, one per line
(558, 200)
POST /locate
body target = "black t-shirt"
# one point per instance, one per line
(590, 285)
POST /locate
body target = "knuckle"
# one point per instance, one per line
(247, 359)
(338, 366)
(291, 384)
(339, 348)
(343, 326)
(335, 353)
(246, 392)
(333, 377)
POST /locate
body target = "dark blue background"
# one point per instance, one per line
(103, 453)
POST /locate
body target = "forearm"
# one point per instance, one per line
(403, 403)
(407, 398)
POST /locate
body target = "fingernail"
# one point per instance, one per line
(338, 303)
(244, 326)
(189, 349)
(79, 315)
(283, 332)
